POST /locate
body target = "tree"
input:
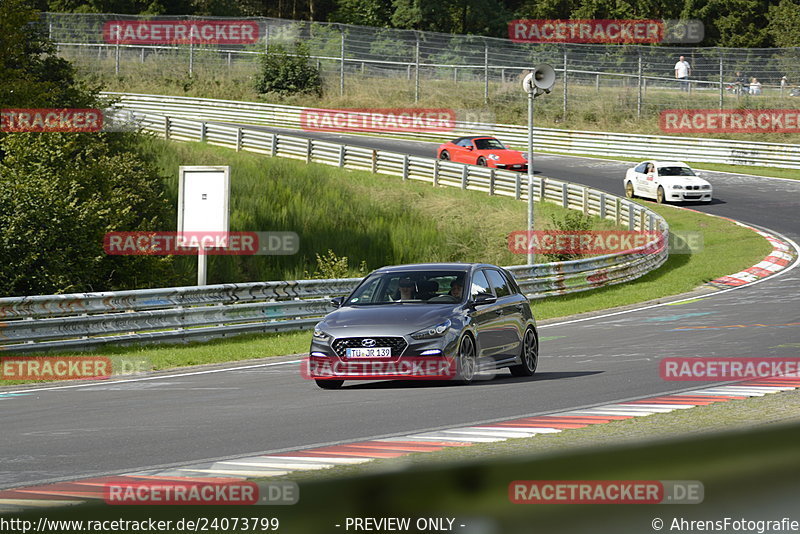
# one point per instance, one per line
(61, 192)
(784, 23)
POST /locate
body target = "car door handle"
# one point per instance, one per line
(499, 312)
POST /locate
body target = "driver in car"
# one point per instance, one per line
(457, 288)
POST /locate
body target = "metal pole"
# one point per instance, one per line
(266, 39)
(116, 57)
(191, 56)
(341, 68)
(202, 266)
(639, 80)
(565, 84)
(721, 90)
(530, 177)
(416, 71)
(485, 73)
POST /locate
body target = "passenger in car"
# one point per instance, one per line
(457, 288)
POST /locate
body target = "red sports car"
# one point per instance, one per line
(482, 150)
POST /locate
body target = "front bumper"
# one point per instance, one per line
(430, 359)
(683, 195)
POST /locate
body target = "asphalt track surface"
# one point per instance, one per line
(65, 432)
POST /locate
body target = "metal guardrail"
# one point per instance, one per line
(547, 139)
(81, 321)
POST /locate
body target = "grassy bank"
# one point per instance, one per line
(372, 220)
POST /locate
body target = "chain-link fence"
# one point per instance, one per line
(642, 78)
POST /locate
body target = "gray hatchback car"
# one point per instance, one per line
(426, 321)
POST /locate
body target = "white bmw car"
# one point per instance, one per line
(666, 181)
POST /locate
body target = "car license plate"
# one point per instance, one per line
(372, 352)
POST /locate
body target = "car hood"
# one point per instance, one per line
(505, 155)
(395, 319)
(684, 180)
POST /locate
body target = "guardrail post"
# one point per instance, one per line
(274, 146)
(517, 187)
(141, 55)
(597, 83)
(202, 132)
(166, 128)
(464, 177)
(618, 211)
(642, 219)
(542, 188)
(491, 182)
(651, 222)
(341, 156)
(238, 139)
(565, 195)
(405, 167)
(435, 172)
(309, 148)
(585, 201)
(374, 161)
(455, 74)
(631, 216)
(602, 205)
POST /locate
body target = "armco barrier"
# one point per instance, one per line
(78, 321)
(547, 139)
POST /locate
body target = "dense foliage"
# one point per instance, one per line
(730, 23)
(288, 73)
(61, 192)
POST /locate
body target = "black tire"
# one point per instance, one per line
(629, 190)
(660, 195)
(529, 356)
(329, 384)
(482, 161)
(467, 361)
(445, 155)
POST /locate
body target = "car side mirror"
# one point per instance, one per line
(337, 302)
(485, 298)
(469, 147)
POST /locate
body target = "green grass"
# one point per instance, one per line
(371, 219)
(727, 248)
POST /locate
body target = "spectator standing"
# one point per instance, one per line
(682, 72)
(739, 82)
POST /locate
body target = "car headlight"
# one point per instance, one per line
(677, 186)
(320, 335)
(706, 187)
(494, 157)
(437, 330)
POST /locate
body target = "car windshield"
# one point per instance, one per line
(489, 144)
(675, 171)
(413, 286)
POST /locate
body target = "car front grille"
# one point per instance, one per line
(398, 344)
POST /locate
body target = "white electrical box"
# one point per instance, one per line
(203, 199)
